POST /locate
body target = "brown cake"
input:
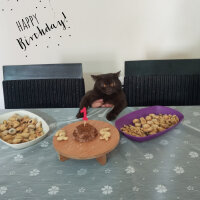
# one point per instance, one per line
(85, 133)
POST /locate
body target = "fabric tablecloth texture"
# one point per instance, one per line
(166, 167)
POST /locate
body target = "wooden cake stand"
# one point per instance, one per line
(96, 148)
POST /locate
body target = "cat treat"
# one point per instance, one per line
(150, 125)
(61, 135)
(105, 134)
(18, 129)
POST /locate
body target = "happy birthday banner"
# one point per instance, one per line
(37, 29)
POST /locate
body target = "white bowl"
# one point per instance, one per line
(22, 113)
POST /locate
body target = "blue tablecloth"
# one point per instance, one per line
(167, 167)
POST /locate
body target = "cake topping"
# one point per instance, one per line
(85, 133)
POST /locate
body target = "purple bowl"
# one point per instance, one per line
(128, 118)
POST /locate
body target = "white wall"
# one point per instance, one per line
(104, 33)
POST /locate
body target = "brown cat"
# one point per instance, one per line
(108, 88)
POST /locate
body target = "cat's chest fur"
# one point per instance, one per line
(107, 98)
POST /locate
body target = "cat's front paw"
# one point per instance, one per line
(79, 115)
(111, 116)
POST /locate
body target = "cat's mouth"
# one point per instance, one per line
(108, 91)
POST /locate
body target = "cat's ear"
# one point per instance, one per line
(94, 77)
(117, 74)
